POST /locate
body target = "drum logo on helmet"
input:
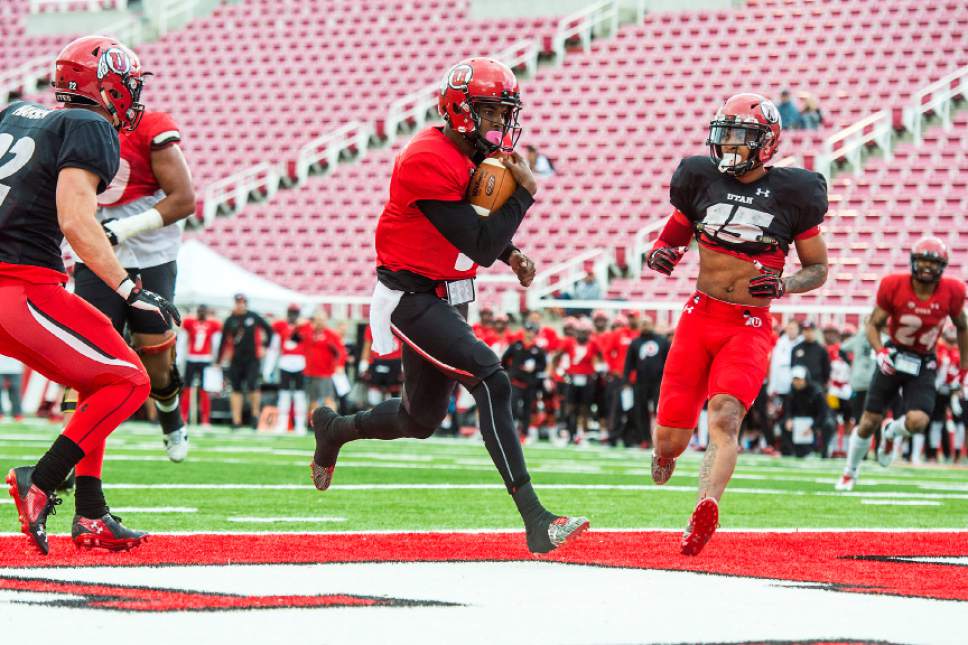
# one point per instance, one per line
(113, 60)
(460, 76)
(770, 112)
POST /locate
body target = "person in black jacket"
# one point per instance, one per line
(239, 332)
(812, 355)
(525, 363)
(806, 400)
(646, 357)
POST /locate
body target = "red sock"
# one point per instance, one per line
(206, 405)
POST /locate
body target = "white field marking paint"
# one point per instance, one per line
(899, 502)
(623, 487)
(281, 520)
(155, 509)
(479, 597)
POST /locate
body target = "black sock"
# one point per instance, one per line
(381, 422)
(170, 421)
(89, 498)
(56, 463)
(531, 510)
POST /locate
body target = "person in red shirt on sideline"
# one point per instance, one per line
(914, 307)
(580, 356)
(287, 343)
(202, 335)
(429, 243)
(325, 356)
(615, 346)
(948, 386)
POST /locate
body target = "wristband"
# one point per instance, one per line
(125, 288)
(150, 220)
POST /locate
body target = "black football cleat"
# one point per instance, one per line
(105, 532)
(33, 506)
(321, 424)
(557, 532)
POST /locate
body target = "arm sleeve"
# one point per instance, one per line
(677, 231)
(91, 146)
(505, 256)
(482, 239)
(160, 131)
(814, 199)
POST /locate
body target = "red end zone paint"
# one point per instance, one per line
(848, 562)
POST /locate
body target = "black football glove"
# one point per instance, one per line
(665, 258)
(141, 299)
(767, 285)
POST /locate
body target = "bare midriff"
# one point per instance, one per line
(726, 277)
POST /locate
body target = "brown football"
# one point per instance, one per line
(490, 186)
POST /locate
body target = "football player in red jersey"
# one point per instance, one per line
(429, 243)
(287, 342)
(202, 334)
(914, 307)
(59, 160)
(151, 192)
(745, 217)
(580, 357)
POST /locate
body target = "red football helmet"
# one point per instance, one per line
(747, 120)
(472, 82)
(95, 70)
(932, 249)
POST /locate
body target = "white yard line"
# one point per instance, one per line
(899, 502)
(154, 509)
(283, 520)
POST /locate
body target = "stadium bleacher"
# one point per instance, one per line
(616, 118)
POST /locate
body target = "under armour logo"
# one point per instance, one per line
(762, 192)
(687, 309)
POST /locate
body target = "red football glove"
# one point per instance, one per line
(884, 362)
(664, 258)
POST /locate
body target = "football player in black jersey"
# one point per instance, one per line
(53, 163)
(745, 216)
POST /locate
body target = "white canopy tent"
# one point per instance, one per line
(205, 277)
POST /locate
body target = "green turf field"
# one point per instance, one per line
(250, 482)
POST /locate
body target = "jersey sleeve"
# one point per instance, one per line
(159, 130)
(958, 298)
(92, 146)
(884, 292)
(425, 176)
(682, 188)
(814, 199)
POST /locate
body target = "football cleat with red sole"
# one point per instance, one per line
(105, 532)
(662, 468)
(33, 506)
(702, 525)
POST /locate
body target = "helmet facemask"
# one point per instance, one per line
(727, 131)
(491, 142)
(928, 274)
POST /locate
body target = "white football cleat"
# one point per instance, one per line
(176, 444)
(885, 447)
(846, 483)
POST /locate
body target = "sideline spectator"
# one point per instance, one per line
(11, 371)
(325, 353)
(241, 349)
(588, 288)
(811, 118)
(779, 381)
(288, 345)
(789, 114)
(525, 363)
(807, 422)
(203, 335)
(646, 358)
(862, 367)
(540, 164)
(812, 355)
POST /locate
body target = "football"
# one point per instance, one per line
(490, 186)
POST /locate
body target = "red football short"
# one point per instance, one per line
(718, 348)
